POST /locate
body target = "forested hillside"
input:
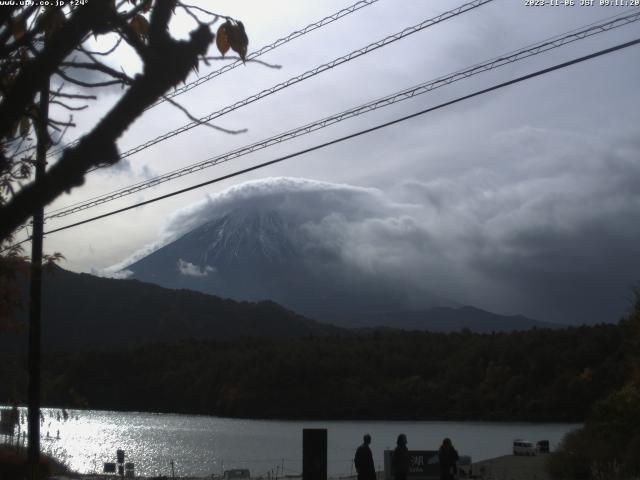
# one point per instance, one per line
(84, 312)
(534, 375)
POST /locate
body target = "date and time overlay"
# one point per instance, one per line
(527, 3)
(582, 3)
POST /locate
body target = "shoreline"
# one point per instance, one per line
(530, 421)
(512, 467)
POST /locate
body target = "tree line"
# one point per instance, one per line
(546, 375)
(608, 445)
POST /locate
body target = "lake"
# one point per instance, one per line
(202, 445)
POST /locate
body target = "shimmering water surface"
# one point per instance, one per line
(201, 445)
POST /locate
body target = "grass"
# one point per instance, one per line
(13, 464)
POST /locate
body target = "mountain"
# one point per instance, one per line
(256, 252)
(447, 319)
(81, 312)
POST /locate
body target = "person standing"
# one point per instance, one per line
(400, 459)
(448, 457)
(364, 460)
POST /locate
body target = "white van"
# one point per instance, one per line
(524, 447)
(237, 474)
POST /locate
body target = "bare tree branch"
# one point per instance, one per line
(76, 96)
(80, 83)
(102, 54)
(251, 60)
(100, 67)
(67, 106)
(200, 122)
(60, 44)
(168, 63)
(53, 123)
(26, 39)
(202, 10)
(193, 16)
(131, 37)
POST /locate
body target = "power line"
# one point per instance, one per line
(281, 41)
(230, 66)
(309, 74)
(350, 136)
(517, 55)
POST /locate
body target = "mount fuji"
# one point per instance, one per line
(280, 242)
(260, 254)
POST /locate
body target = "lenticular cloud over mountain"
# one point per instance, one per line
(328, 250)
(301, 200)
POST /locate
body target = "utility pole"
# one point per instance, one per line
(35, 292)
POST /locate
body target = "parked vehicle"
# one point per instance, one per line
(543, 446)
(237, 474)
(524, 447)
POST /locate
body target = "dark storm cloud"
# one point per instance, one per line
(585, 274)
(541, 222)
(553, 231)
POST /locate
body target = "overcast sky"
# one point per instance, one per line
(530, 193)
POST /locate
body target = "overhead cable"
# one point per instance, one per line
(348, 137)
(517, 55)
(310, 73)
(252, 56)
(281, 41)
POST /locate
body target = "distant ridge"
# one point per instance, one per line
(85, 312)
(449, 319)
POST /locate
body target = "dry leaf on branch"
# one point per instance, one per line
(232, 35)
(140, 25)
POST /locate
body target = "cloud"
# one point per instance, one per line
(301, 199)
(549, 229)
(137, 255)
(147, 172)
(552, 231)
(121, 167)
(191, 270)
(111, 273)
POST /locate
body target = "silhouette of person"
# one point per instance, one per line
(448, 457)
(400, 459)
(364, 460)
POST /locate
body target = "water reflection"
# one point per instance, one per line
(201, 445)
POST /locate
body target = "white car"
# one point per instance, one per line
(524, 447)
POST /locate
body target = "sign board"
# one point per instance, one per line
(424, 465)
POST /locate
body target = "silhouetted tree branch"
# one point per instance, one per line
(40, 43)
(44, 50)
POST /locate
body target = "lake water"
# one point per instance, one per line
(201, 445)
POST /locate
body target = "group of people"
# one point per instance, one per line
(400, 460)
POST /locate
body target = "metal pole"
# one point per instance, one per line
(35, 293)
